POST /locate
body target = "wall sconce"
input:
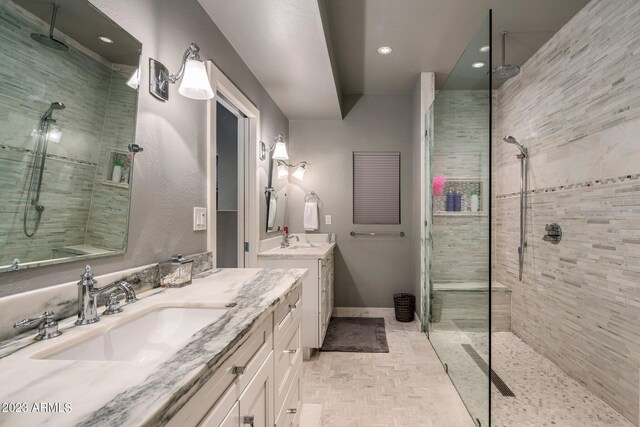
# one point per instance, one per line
(283, 169)
(277, 146)
(195, 82)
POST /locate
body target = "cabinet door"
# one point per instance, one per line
(257, 402)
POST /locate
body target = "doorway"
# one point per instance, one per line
(231, 145)
(232, 175)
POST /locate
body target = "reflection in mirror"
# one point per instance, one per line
(276, 197)
(68, 84)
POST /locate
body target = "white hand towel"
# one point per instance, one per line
(311, 216)
(273, 206)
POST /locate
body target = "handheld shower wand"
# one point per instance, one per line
(523, 156)
(37, 170)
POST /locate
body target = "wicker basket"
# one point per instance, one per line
(405, 306)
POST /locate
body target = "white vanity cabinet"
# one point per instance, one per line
(259, 381)
(317, 304)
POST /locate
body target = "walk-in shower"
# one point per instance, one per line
(32, 200)
(523, 156)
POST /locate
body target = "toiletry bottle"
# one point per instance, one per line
(117, 171)
(449, 203)
(475, 203)
(457, 201)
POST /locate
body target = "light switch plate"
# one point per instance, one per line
(199, 219)
(327, 219)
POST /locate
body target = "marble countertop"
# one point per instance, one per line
(108, 393)
(298, 251)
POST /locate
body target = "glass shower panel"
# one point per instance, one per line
(458, 144)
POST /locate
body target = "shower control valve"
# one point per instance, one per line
(554, 233)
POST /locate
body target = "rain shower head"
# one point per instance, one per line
(48, 40)
(505, 71)
(511, 140)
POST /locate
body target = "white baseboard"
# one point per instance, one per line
(363, 311)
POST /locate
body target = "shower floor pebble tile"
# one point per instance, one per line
(406, 387)
(545, 395)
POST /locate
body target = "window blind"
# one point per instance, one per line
(376, 187)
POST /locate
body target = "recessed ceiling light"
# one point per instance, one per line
(485, 49)
(384, 50)
(105, 39)
(478, 64)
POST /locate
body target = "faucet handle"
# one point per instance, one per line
(87, 278)
(48, 328)
(113, 306)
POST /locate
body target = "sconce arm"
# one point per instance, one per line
(192, 52)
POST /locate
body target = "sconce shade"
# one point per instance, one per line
(280, 152)
(283, 171)
(299, 173)
(195, 82)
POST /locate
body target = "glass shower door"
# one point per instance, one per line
(458, 144)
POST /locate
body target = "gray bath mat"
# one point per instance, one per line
(356, 335)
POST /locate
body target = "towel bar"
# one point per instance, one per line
(354, 234)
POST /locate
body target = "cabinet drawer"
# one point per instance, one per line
(250, 355)
(286, 312)
(287, 357)
(289, 414)
(220, 415)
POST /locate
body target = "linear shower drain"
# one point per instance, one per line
(495, 378)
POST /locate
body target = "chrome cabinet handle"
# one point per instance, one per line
(293, 351)
(248, 419)
(239, 370)
(292, 411)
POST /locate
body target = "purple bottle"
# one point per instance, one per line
(457, 201)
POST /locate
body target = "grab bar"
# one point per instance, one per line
(354, 234)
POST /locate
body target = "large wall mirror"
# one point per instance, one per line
(276, 195)
(68, 97)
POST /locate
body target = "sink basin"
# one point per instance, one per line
(302, 246)
(153, 336)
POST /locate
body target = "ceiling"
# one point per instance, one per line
(82, 22)
(285, 46)
(430, 35)
(308, 53)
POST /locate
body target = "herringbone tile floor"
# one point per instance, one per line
(406, 387)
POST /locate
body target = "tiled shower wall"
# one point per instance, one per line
(460, 150)
(109, 215)
(576, 106)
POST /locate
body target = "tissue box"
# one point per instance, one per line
(175, 272)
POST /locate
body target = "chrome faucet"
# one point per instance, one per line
(285, 240)
(88, 296)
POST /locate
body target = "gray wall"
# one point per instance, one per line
(170, 175)
(368, 271)
(575, 105)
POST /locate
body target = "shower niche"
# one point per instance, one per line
(468, 187)
(69, 88)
